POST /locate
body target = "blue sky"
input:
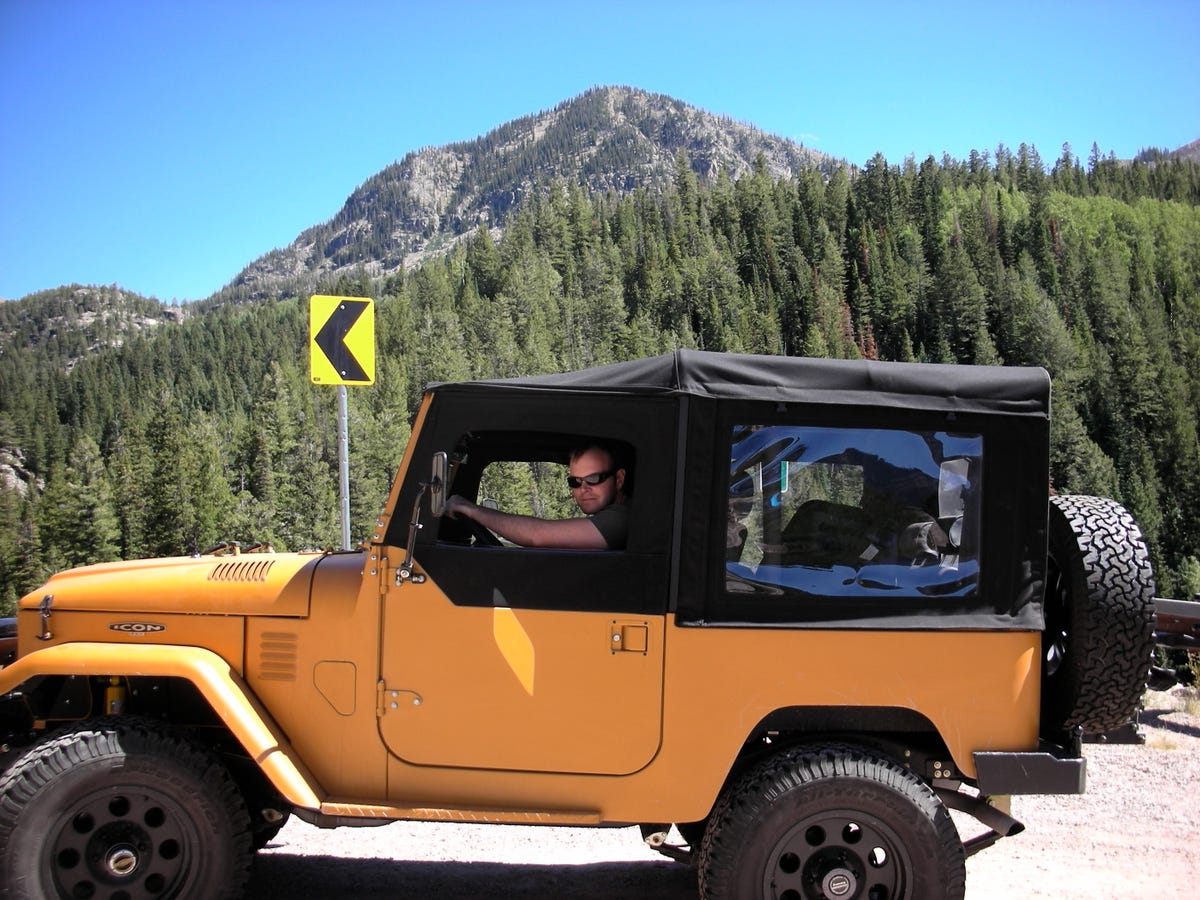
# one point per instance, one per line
(163, 146)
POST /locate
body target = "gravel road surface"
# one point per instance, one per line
(1135, 833)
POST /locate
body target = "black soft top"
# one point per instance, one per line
(677, 408)
(952, 388)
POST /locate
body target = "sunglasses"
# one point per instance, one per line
(574, 482)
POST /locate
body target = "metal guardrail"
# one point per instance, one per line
(1177, 623)
(1176, 627)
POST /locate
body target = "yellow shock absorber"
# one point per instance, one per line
(114, 696)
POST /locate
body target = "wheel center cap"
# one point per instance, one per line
(122, 862)
(838, 883)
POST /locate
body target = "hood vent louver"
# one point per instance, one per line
(277, 655)
(242, 571)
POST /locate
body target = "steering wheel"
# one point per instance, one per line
(483, 536)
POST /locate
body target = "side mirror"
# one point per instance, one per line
(437, 485)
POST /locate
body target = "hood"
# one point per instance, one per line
(276, 584)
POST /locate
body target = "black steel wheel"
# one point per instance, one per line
(1099, 610)
(833, 823)
(121, 809)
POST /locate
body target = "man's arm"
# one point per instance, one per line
(530, 531)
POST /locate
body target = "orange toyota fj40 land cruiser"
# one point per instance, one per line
(847, 604)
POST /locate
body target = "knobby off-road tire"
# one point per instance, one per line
(833, 822)
(120, 807)
(1099, 633)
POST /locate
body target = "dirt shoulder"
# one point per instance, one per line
(1135, 833)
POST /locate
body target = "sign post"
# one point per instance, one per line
(341, 345)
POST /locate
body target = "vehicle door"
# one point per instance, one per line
(533, 660)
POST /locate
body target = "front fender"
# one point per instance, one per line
(220, 685)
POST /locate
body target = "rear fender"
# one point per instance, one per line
(212, 676)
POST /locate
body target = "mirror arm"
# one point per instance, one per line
(405, 572)
(437, 505)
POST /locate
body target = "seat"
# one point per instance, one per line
(823, 534)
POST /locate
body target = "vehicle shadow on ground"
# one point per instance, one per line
(1161, 718)
(280, 875)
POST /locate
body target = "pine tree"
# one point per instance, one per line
(77, 516)
(206, 517)
(166, 489)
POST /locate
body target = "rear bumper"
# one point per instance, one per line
(1038, 772)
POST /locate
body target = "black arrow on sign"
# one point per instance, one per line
(332, 339)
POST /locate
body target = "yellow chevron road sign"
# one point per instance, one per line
(341, 340)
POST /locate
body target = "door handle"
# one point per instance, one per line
(629, 637)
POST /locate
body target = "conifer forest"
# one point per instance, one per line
(140, 430)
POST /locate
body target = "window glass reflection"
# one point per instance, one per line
(853, 511)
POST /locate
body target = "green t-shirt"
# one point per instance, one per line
(613, 524)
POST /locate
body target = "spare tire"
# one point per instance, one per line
(1099, 637)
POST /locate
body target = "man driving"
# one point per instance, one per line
(597, 483)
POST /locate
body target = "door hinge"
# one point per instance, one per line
(393, 698)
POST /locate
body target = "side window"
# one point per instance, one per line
(525, 473)
(528, 488)
(853, 512)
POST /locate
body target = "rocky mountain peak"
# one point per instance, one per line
(607, 139)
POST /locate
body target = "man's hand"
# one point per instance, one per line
(459, 507)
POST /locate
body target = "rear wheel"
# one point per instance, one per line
(1099, 607)
(121, 808)
(831, 824)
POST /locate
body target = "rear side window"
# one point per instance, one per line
(852, 512)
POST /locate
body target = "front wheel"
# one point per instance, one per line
(120, 807)
(831, 824)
